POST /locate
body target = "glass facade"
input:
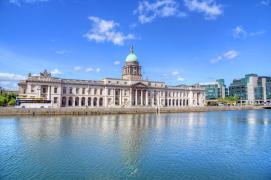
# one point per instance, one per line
(252, 88)
(214, 90)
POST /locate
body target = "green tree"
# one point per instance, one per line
(3, 100)
(12, 102)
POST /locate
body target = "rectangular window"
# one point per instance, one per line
(77, 90)
(108, 91)
(70, 90)
(64, 90)
(95, 91)
(83, 91)
(101, 91)
(55, 100)
(43, 90)
(55, 90)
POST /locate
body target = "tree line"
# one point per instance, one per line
(7, 99)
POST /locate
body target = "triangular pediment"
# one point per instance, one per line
(139, 85)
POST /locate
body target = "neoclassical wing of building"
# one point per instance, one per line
(129, 91)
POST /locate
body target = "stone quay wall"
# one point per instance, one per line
(5, 111)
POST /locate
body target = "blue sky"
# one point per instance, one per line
(176, 41)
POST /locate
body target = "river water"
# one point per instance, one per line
(207, 145)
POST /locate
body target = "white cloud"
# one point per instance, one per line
(20, 2)
(240, 33)
(208, 7)
(77, 68)
(89, 69)
(98, 69)
(62, 51)
(106, 31)
(11, 77)
(56, 72)
(147, 11)
(229, 55)
(9, 85)
(117, 62)
(175, 73)
(216, 60)
(180, 78)
(265, 2)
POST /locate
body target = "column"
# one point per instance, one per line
(131, 96)
(48, 93)
(39, 91)
(80, 101)
(141, 94)
(147, 98)
(67, 101)
(105, 96)
(152, 99)
(158, 98)
(120, 97)
(114, 96)
(136, 97)
(73, 101)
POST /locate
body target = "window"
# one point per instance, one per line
(101, 91)
(95, 91)
(55, 100)
(43, 90)
(89, 91)
(83, 91)
(55, 90)
(70, 90)
(32, 88)
(108, 91)
(64, 90)
(109, 82)
(77, 90)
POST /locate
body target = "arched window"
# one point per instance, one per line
(184, 102)
(169, 102)
(89, 101)
(70, 101)
(95, 101)
(83, 101)
(63, 101)
(101, 102)
(177, 102)
(187, 102)
(77, 101)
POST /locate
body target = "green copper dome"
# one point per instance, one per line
(131, 56)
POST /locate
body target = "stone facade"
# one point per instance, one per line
(130, 91)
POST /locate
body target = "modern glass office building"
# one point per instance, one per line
(252, 89)
(214, 90)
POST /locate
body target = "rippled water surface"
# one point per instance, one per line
(212, 145)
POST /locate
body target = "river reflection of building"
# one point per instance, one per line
(133, 133)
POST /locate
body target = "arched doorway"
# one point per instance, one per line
(89, 101)
(101, 102)
(63, 104)
(70, 101)
(77, 101)
(95, 101)
(83, 101)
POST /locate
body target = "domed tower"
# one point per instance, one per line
(131, 70)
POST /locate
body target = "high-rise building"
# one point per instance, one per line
(214, 90)
(252, 89)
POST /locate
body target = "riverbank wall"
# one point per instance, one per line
(135, 110)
